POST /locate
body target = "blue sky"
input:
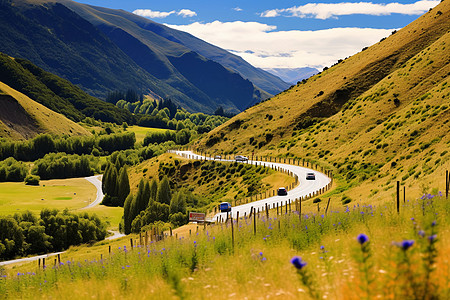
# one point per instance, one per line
(283, 33)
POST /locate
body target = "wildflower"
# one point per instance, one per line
(421, 233)
(298, 262)
(362, 238)
(433, 237)
(406, 244)
(433, 223)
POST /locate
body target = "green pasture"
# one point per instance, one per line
(140, 132)
(112, 215)
(60, 194)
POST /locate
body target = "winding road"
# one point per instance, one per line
(303, 189)
(97, 182)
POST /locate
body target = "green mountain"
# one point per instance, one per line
(100, 50)
(56, 93)
(154, 35)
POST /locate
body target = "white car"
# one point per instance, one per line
(240, 158)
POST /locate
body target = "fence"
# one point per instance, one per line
(267, 162)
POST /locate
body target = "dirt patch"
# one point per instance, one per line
(16, 118)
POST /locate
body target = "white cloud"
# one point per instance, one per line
(333, 10)
(264, 47)
(237, 8)
(186, 13)
(148, 13)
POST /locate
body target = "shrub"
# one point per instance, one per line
(32, 180)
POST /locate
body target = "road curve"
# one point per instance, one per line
(303, 189)
(97, 182)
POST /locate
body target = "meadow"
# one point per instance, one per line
(344, 254)
(141, 132)
(59, 193)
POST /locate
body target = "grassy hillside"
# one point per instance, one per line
(212, 182)
(379, 116)
(56, 93)
(23, 118)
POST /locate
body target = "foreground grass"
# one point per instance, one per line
(60, 194)
(206, 264)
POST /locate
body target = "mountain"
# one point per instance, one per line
(379, 116)
(293, 76)
(103, 50)
(23, 118)
(56, 93)
(141, 28)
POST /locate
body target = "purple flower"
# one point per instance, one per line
(421, 233)
(406, 244)
(362, 238)
(432, 238)
(433, 224)
(298, 262)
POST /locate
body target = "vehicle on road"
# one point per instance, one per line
(225, 207)
(282, 191)
(240, 158)
(310, 176)
(217, 157)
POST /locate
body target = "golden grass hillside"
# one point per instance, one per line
(379, 116)
(213, 181)
(23, 118)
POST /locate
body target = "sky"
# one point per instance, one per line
(282, 33)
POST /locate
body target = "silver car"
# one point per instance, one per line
(240, 158)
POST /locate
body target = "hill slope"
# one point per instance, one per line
(382, 114)
(23, 118)
(118, 54)
(57, 94)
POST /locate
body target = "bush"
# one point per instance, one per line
(32, 180)
(317, 200)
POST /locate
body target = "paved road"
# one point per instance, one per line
(304, 188)
(97, 181)
(27, 259)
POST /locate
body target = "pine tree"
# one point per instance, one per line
(127, 214)
(146, 196)
(124, 186)
(163, 195)
(178, 203)
(153, 190)
(105, 178)
(112, 186)
(140, 202)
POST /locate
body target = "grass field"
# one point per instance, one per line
(409, 262)
(60, 194)
(140, 132)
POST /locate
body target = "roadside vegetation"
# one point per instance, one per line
(344, 254)
(25, 233)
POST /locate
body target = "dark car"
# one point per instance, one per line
(225, 207)
(282, 191)
(240, 158)
(310, 176)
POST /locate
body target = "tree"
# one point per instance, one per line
(124, 186)
(127, 214)
(153, 190)
(178, 203)
(163, 195)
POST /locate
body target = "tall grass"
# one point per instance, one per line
(406, 259)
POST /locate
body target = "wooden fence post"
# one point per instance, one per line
(447, 183)
(267, 212)
(398, 196)
(328, 204)
(254, 221)
(404, 194)
(232, 233)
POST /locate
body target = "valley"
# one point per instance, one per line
(336, 187)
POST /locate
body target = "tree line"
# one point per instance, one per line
(53, 230)
(154, 202)
(39, 146)
(115, 182)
